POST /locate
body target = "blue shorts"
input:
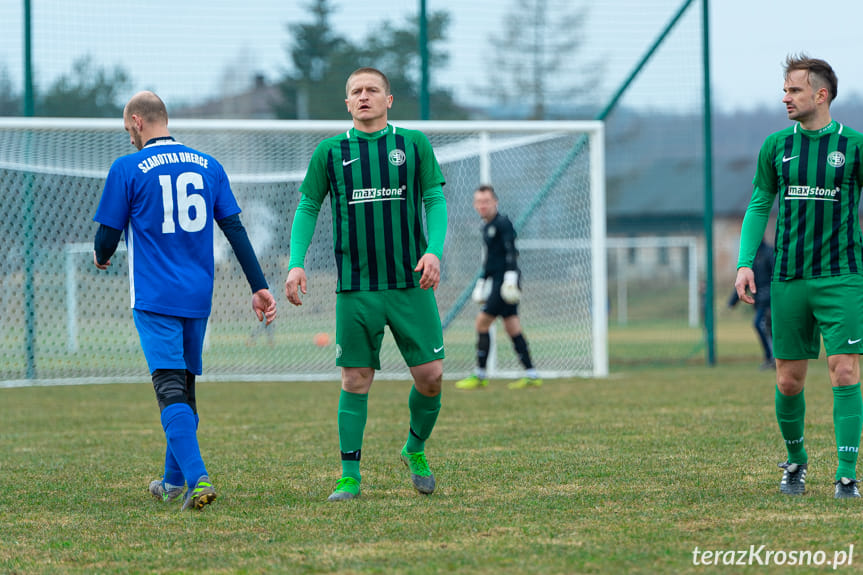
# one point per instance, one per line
(171, 342)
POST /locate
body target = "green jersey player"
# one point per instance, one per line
(379, 179)
(815, 168)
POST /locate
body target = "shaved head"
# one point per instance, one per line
(147, 106)
(145, 118)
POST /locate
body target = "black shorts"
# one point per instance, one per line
(494, 305)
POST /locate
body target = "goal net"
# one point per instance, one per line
(61, 319)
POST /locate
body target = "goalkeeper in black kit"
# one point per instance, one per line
(498, 291)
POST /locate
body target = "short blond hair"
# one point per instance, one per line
(367, 70)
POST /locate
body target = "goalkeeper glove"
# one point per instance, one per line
(509, 291)
(481, 290)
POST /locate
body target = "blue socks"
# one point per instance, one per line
(173, 476)
(183, 454)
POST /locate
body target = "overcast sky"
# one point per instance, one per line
(186, 49)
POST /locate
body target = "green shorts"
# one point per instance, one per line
(804, 310)
(413, 318)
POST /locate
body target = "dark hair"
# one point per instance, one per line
(821, 75)
(368, 70)
(486, 188)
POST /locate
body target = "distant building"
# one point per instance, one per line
(256, 103)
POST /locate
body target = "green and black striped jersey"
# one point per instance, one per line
(376, 184)
(817, 176)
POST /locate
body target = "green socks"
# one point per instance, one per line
(353, 410)
(424, 412)
(790, 412)
(848, 424)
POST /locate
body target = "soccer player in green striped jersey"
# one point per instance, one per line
(379, 179)
(815, 168)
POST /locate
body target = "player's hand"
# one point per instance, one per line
(98, 265)
(429, 265)
(264, 305)
(295, 284)
(481, 290)
(745, 280)
(509, 291)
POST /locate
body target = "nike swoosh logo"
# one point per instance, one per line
(784, 159)
(349, 162)
(853, 341)
(437, 349)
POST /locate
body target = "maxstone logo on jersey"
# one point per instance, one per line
(814, 192)
(378, 194)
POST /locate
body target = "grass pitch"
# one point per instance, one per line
(628, 474)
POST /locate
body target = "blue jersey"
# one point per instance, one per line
(166, 197)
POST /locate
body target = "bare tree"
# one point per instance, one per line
(536, 56)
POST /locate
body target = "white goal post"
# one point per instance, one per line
(620, 248)
(549, 176)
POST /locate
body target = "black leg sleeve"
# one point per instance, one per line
(170, 387)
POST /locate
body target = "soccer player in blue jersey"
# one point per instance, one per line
(815, 170)
(166, 198)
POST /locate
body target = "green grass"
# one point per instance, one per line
(627, 474)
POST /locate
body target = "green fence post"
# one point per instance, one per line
(29, 231)
(709, 328)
